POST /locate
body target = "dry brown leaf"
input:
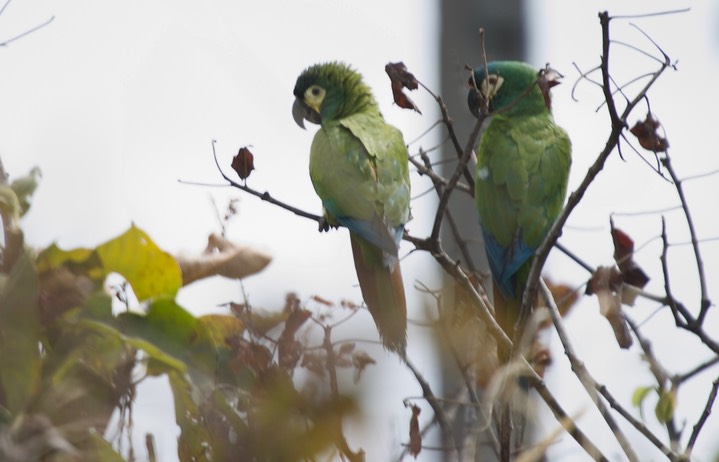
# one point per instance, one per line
(224, 258)
(606, 284)
(243, 163)
(415, 436)
(647, 135)
(401, 78)
(632, 273)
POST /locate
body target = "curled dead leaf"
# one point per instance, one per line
(647, 135)
(401, 78)
(224, 258)
(632, 273)
(415, 435)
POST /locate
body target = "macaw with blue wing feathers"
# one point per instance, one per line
(359, 169)
(523, 163)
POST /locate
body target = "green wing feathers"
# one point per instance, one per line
(522, 171)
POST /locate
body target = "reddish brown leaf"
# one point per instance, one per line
(646, 133)
(415, 436)
(401, 78)
(243, 163)
(322, 301)
(623, 245)
(632, 273)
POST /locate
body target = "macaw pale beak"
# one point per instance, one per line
(302, 112)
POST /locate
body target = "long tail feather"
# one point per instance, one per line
(506, 310)
(383, 292)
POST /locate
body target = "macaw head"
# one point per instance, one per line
(329, 91)
(511, 87)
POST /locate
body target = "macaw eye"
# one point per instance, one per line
(491, 85)
(314, 95)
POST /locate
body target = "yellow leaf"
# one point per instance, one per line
(151, 272)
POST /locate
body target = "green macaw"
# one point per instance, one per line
(523, 163)
(359, 169)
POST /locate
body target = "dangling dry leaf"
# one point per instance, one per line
(224, 258)
(401, 78)
(606, 283)
(632, 273)
(646, 133)
(415, 436)
(243, 163)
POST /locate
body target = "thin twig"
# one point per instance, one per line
(660, 375)
(454, 179)
(265, 196)
(440, 184)
(705, 302)
(452, 134)
(702, 419)
(27, 32)
(680, 378)
(688, 322)
(566, 421)
(585, 378)
(434, 403)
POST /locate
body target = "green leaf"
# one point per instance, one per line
(151, 272)
(176, 332)
(665, 407)
(193, 442)
(148, 347)
(639, 395)
(19, 330)
(638, 398)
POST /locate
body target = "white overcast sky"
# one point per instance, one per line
(116, 101)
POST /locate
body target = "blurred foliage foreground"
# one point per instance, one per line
(69, 366)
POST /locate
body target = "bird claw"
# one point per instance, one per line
(323, 225)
